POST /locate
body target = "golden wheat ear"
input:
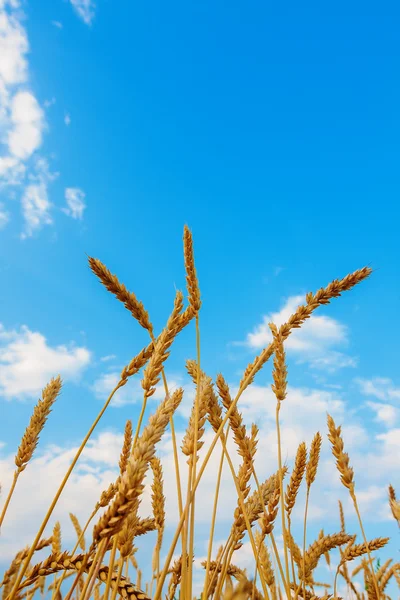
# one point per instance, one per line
(129, 300)
(30, 439)
(394, 504)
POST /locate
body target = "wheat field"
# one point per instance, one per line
(103, 564)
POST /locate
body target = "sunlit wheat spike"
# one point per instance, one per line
(342, 458)
(242, 440)
(355, 550)
(126, 448)
(157, 496)
(326, 554)
(160, 354)
(189, 438)
(129, 299)
(386, 577)
(313, 461)
(279, 373)
(40, 413)
(233, 570)
(296, 477)
(137, 363)
(319, 547)
(56, 539)
(294, 549)
(127, 535)
(106, 496)
(265, 560)
(191, 276)
(78, 531)
(267, 520)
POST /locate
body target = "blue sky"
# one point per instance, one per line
(274, 135)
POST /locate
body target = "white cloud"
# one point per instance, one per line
(27, 120)
(57, 24)
(385, 413)
(67, 120)
(380, 387)
(311, 343)
(28, 362)
(75, 198)
(85, 9)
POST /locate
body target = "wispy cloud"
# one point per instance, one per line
(385, 413)
(382, 388)
(75, 199)
(85, 9)
(36, 205)
(67, 120)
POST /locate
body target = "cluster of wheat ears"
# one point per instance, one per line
(103, 569)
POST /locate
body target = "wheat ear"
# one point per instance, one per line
(129, 299)
(30, 438)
